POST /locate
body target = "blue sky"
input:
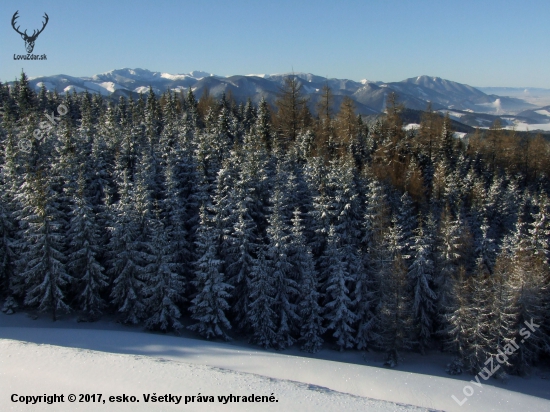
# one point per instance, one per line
(481, 43)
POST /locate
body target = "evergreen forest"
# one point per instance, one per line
(282, 224)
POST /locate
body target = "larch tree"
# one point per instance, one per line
(291, 104)
(346, 123)
(325, 127)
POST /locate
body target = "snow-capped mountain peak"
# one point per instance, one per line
(370, 97)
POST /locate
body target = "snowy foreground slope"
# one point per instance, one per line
(30, 368)
(38, 357)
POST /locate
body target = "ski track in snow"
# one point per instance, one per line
(66, 357)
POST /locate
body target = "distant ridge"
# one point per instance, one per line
(369, 96)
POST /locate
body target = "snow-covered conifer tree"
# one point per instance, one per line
(338, 308)
(420, 276)
(263, 319)
(528, 279)
(448, 248)
(209, 305)
(43, 256)
(125, 256)
(163, 284)
(485, 249)
(241, 259)
(477, 321)
(84, 249)
(394, 316)
(456, 317)
(449, 251)
(309, 309)
(8, 187)
(406, 222)
(501, 329)
(175, 207)
(318, 217)
(366, 290)
(281, 269)
(263, 125)
(7, 255)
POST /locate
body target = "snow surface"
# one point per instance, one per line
(179, 89)
(174, 76)
(452, 113)
(39, 357)
(105, 88)
(411, 126)
(49, 86)
(521, 126)
(69, 89)
(45, 369)
(141, 89)
(543, 112)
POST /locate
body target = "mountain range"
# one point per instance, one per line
(466, 104)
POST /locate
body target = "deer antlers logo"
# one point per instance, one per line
(29, 40)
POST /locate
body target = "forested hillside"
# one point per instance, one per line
(276, 223)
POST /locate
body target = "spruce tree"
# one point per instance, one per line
(420, 276)
(241, 257)
(8, 228)
(485, 248)
(176, 209)
(405, 222)
(43, 259)
(338, 307)
(26, 98)
(309, 309)
(477, 321)
(126, 265)
(282, 271)
(394, 320)
(263, 318)
(455, 333)
(374, 261)
(84, 251)
(163, 284)
(529, 283)
(7, 255)
(448, 255)
(209, 305)
(501, 306)
(262, 126)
